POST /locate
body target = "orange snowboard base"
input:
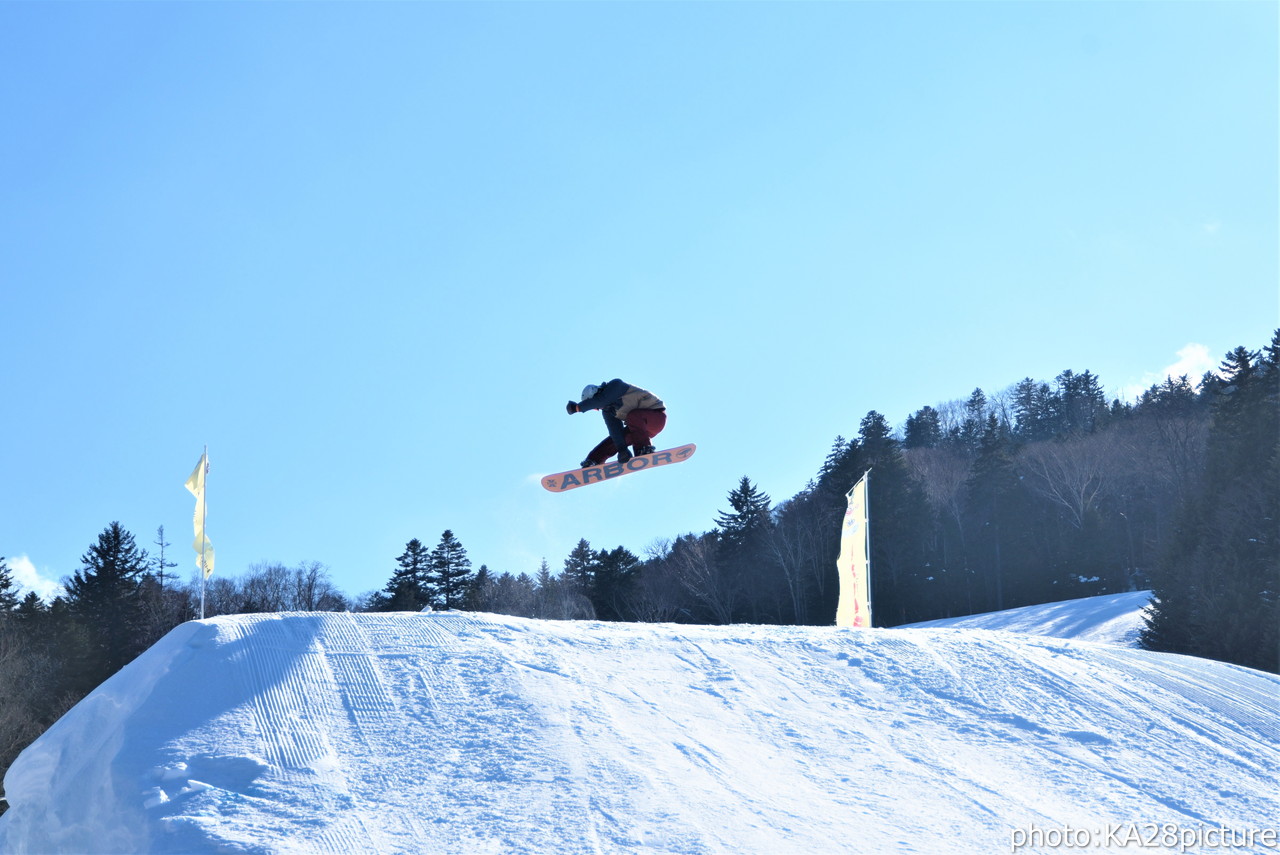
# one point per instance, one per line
(563, 481)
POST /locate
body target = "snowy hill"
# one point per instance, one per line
(1111, 619)
(464, 733)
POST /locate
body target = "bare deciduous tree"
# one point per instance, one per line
(942, 472)
(795, 542)
(656, 596)
(694, 561)
(1072, 473)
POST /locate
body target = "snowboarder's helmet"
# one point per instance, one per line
(588, 391)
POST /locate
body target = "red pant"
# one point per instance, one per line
(642, 426)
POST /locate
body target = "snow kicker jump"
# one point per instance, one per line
(562, 481)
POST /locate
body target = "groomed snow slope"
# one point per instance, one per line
(465, 733)
(1110, 618)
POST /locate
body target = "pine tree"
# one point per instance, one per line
(480, 592)
(900, 512)
(837, 459)
(742, 552)
(615, 573)
(580, 569)
(450, 574)
(975, 419)
(407, 589)
(924, 429)
(1034, 408)
(8, 589)
(103, 596)
(505, 594)
(1217, 591)
(32, 606)
(544, 579)
(991, 495)
(1081, 403)
(1174, 395)
(749, 515)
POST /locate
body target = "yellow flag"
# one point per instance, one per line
(854, 607)
(202, 545)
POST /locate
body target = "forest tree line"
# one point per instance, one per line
(1039, 493)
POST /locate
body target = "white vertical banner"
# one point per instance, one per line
(202, 544)
(854, 608)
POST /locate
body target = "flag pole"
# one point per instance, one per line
(204, 518)
(870, 607)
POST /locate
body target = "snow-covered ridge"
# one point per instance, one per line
(1108, 619)
(464, 733)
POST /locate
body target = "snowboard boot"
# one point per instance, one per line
(644, 449)
(624, 455)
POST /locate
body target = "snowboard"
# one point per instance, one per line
(563, 481)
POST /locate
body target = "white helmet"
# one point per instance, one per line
(589, 391)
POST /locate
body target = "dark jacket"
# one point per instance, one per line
(615, 400)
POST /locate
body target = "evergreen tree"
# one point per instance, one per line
(580, 569)
(545, 592)
(1173, 395)
(742, 552)
(103, 596)
(8, 589)
(900, 516)
(975, 419)
(924, 429)
(1217, 590)
(1034, 408)
(1081, 403)
(407, 589)
(544, 579)
(481, 592)
(512, 595)
(836, 461)
(31, 606)
(615, 573)
(1243, 431)
(992, 492)
(749, 516)
(450, 574)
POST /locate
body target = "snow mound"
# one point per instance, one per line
(464, 733)
(1109, 619)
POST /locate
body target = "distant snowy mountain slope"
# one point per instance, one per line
(464, 733)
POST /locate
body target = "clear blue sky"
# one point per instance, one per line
(366, 251)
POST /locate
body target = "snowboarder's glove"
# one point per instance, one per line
(571, 407)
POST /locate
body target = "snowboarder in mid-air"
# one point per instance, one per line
(634, 416)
